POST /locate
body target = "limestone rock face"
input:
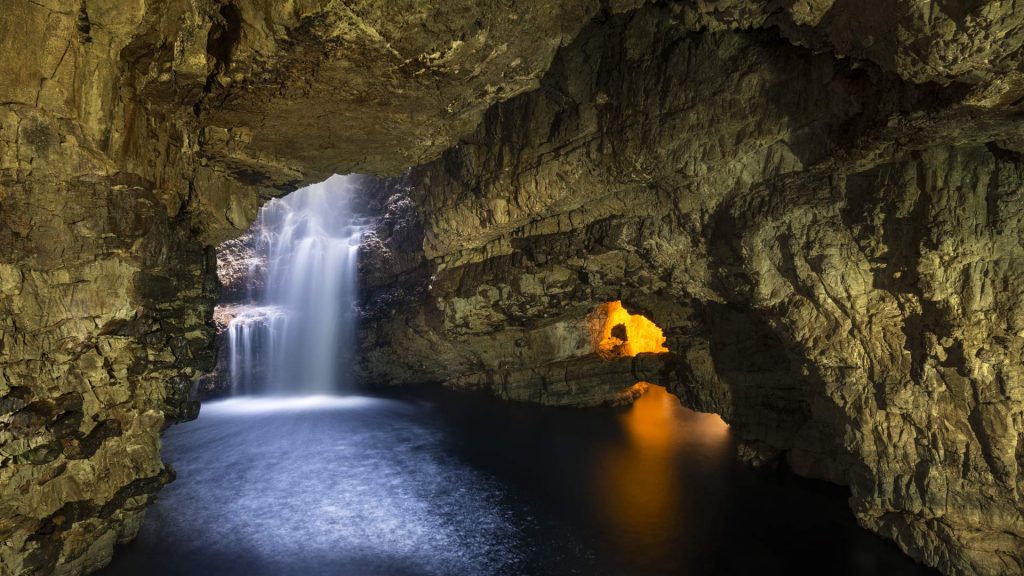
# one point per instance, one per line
(106, 290)
(831, 246)
(817, 200)
(332, 87)
(240, 267)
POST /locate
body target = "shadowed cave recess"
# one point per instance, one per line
(805, 217)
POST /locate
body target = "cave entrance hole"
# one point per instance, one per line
(286, 318)
(616, 333)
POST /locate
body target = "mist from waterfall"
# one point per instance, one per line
(295, 335)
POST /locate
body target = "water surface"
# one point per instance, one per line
(431, 482)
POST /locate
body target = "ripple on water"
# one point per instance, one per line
(321, 485)
(435, 483)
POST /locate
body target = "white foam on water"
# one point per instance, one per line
(245, 405)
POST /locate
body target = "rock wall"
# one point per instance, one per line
(106, 290)
(831, 245)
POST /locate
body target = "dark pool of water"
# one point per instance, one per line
(434, 482)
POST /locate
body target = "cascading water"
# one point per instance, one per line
(298, 330)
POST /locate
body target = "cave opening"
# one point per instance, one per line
(287, 315)
(360, 481)
(618, 333)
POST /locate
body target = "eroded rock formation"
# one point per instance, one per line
(818, 201)
(831, 245)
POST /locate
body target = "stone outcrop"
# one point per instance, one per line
(816, 200)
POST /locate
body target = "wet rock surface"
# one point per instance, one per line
(817, 201)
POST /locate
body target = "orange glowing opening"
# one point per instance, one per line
(618, 333)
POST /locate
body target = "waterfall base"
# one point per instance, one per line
(438, 483)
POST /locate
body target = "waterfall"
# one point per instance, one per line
(295, 333)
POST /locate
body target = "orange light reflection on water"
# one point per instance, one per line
(641, 483)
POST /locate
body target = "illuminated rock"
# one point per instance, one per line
(618, 333)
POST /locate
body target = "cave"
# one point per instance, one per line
(723, 263)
